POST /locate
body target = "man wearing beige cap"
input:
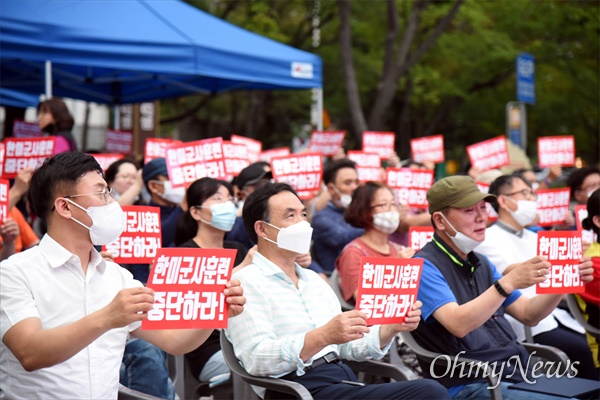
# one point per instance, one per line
(464, 296)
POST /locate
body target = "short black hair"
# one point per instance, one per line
(502, 184)
(56, 177)
(331, 169)
(575, 180)
(256, 206)
(113, 169)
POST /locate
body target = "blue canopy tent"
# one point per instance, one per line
(15, 98)
(129, 51)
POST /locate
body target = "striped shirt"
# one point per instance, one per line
(269, 335)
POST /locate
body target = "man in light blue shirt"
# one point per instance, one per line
(292, 326)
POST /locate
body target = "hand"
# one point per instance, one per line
(107, 255)
(411, 320)
(345, 327)
(9, 231)
(393, 160)
(554, 172)
(407, 252)
(304, 260)
(234, 297)
(586, 269)
(569, 218)
(526, 274)
(129, 305)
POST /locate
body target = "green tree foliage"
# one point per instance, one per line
(459, 87)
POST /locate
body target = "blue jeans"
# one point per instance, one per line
(477, 391)
(144, 368)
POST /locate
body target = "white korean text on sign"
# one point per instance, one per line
(368, 165)
(429, 148)
(328, 143)
(552, 206)
(410, 186)
(236, 157)
(157, 148)
(564, 251)
(269, 154)
(188, 288)
(382, 143)
(302, 171)
(190, 161)
(141, 238)
(387, 288)
(489, 154)
(21, 153)
(254, 146)
(556, 150)
(4, 189)
(119, 142)
(419, 236)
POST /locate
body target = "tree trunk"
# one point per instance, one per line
(359, 124)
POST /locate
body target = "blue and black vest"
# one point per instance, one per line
(493, 341)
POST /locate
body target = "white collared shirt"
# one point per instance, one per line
(269, 335)
(47, 282)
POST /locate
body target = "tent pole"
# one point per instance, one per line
(48, 79)
(319, 109)
(117, 120)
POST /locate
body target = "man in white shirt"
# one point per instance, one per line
(507, 243)
(292, 326)
(64, 311)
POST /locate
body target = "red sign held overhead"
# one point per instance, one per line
(187, 162)
(141, 238)
(492, 214)
(430, 148)
(4, 189)
(328, 143)
(556, 150)
(489, 154)
(419, 236)
(236, 157)
(387, 288)
(21, 153)
(157, 148)
(382, 143)
(410, 186)
(302, 171)
(119, 142)
(564, 251)
(254, 146)
(552, 206)
(188, 288)
(106, 159)
(269, 154)
(368, 165)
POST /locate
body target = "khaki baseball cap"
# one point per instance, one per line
(455, 191)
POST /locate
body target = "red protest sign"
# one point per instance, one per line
(106, 159)
(410, 186)
(118, 142)
(419, 236)
(429, 148)
(563, 250)
(268, 155)
(254, 146)
(22, 129)
(581, 213)
(489, 154)
(492, 214)
(302, 171)
(1, 157)
(368, 165)
(157, 148)
(187, 162)
(4, 189)
(188, 288)
(236, 157)
(556, 150)
(21, 153)
(141, 238)
(552, 206)
(387, 288)
(381, 143)
(328, 143)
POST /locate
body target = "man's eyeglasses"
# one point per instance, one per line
(526, 193)
(386, 206)
(106, 194)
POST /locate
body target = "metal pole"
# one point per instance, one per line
(319, 109)
(48, 79)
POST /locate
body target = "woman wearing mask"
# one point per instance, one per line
(54, 119)
(373, 208)
(210, 214)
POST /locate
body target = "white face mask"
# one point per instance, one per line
(345, 199)
(294, 238)
(223, 216)
(525, 213)
(108, 222)
(460, 240)
(386, 222)
(172, 195)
